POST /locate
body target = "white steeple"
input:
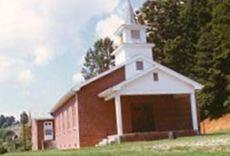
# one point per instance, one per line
(130, 17)
(133, 40)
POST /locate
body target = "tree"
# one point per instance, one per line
(6, 121)
(163, 20)
(2, 149)
(7, 140)
(180, 52)
(192, 37)
(175, 28)
(98, 59)
(214, 61)
(24, 119)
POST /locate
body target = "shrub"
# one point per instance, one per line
(3, 150)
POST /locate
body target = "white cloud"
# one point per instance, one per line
(43, 55)
(34, 32)
(108, 26)
(78, 78)
(25, 76)
(26, 93)
(14, 71)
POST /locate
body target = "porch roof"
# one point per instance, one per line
(110, 92)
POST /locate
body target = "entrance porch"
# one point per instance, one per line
(153, 117)
(155, 114)
(145, 104)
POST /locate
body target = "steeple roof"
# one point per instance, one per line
(130, 17)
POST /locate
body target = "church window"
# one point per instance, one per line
(139, 65)
(155, 77)
(135, 34)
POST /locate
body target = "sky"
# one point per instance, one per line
(42, 48)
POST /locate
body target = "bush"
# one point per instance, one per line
(6, 133)
(3, 150)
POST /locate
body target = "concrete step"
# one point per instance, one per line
(112, 139)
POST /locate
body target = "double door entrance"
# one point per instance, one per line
(142, 117)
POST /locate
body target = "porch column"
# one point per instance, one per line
(194, 111)
(118, 115)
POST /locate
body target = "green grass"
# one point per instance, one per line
(209, 145)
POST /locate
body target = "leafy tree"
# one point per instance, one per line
(8, 142)
(24, 119)
(98, 59)
(2, 150)
(213, 61)
(192, 37)
(6, 121)
(163, 20)
(180, 52)
(227, 103)
(175, 27)
(5, 134)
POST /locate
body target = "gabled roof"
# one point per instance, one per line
(76, 88)
(63, 100)
(113, 89)
(43, 119)
(180, 77)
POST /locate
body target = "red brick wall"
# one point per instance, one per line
(66, 120)
(173, 113)
(34, 132)
(96, 116)
(38, 133)
(170, 112)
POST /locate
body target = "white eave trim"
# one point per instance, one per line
(62, 100)
(43, 119)
(196, 85)
(78, 87)
(133, 26)
(133, 45)
(119, 86)
(180, 77)
(116, 88)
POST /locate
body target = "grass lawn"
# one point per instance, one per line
(209, 145)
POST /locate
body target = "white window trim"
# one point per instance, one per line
(48, 137)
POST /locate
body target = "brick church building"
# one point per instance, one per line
(138, 99)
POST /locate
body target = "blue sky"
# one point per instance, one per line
(42, 44)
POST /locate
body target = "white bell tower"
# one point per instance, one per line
(132, 39)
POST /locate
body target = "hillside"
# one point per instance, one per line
(218, 125)
(209, 145)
